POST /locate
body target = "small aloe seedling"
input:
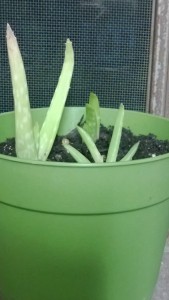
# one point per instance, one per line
(80, 158)
(113, 147)
(30, 142)
(89, 132)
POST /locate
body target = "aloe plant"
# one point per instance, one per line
(32, 143)
(113, 147)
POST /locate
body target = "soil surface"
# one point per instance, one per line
(149, 145)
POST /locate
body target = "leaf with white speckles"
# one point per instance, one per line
(24, 134)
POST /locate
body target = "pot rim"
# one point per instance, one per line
(82, 165)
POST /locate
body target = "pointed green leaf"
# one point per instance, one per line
(131, 152)
(79, 157)
(51, 124)
(24, 134)
(116, 136)
(92, 121)
(90, 145)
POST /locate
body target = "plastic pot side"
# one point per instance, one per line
(73, 232)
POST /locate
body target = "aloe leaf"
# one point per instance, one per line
(51, 124)
(24, 133)
(92, 121)
(131, 152)
(79, 157)
(116, 136)
(90, 145)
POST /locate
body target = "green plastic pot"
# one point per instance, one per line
(83, 232)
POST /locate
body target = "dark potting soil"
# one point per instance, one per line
(149, 145)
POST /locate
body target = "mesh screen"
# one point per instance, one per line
(111, 41)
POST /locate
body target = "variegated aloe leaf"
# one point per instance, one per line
(24, 132)
(51, 124)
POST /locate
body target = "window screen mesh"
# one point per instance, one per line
(111, 41)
